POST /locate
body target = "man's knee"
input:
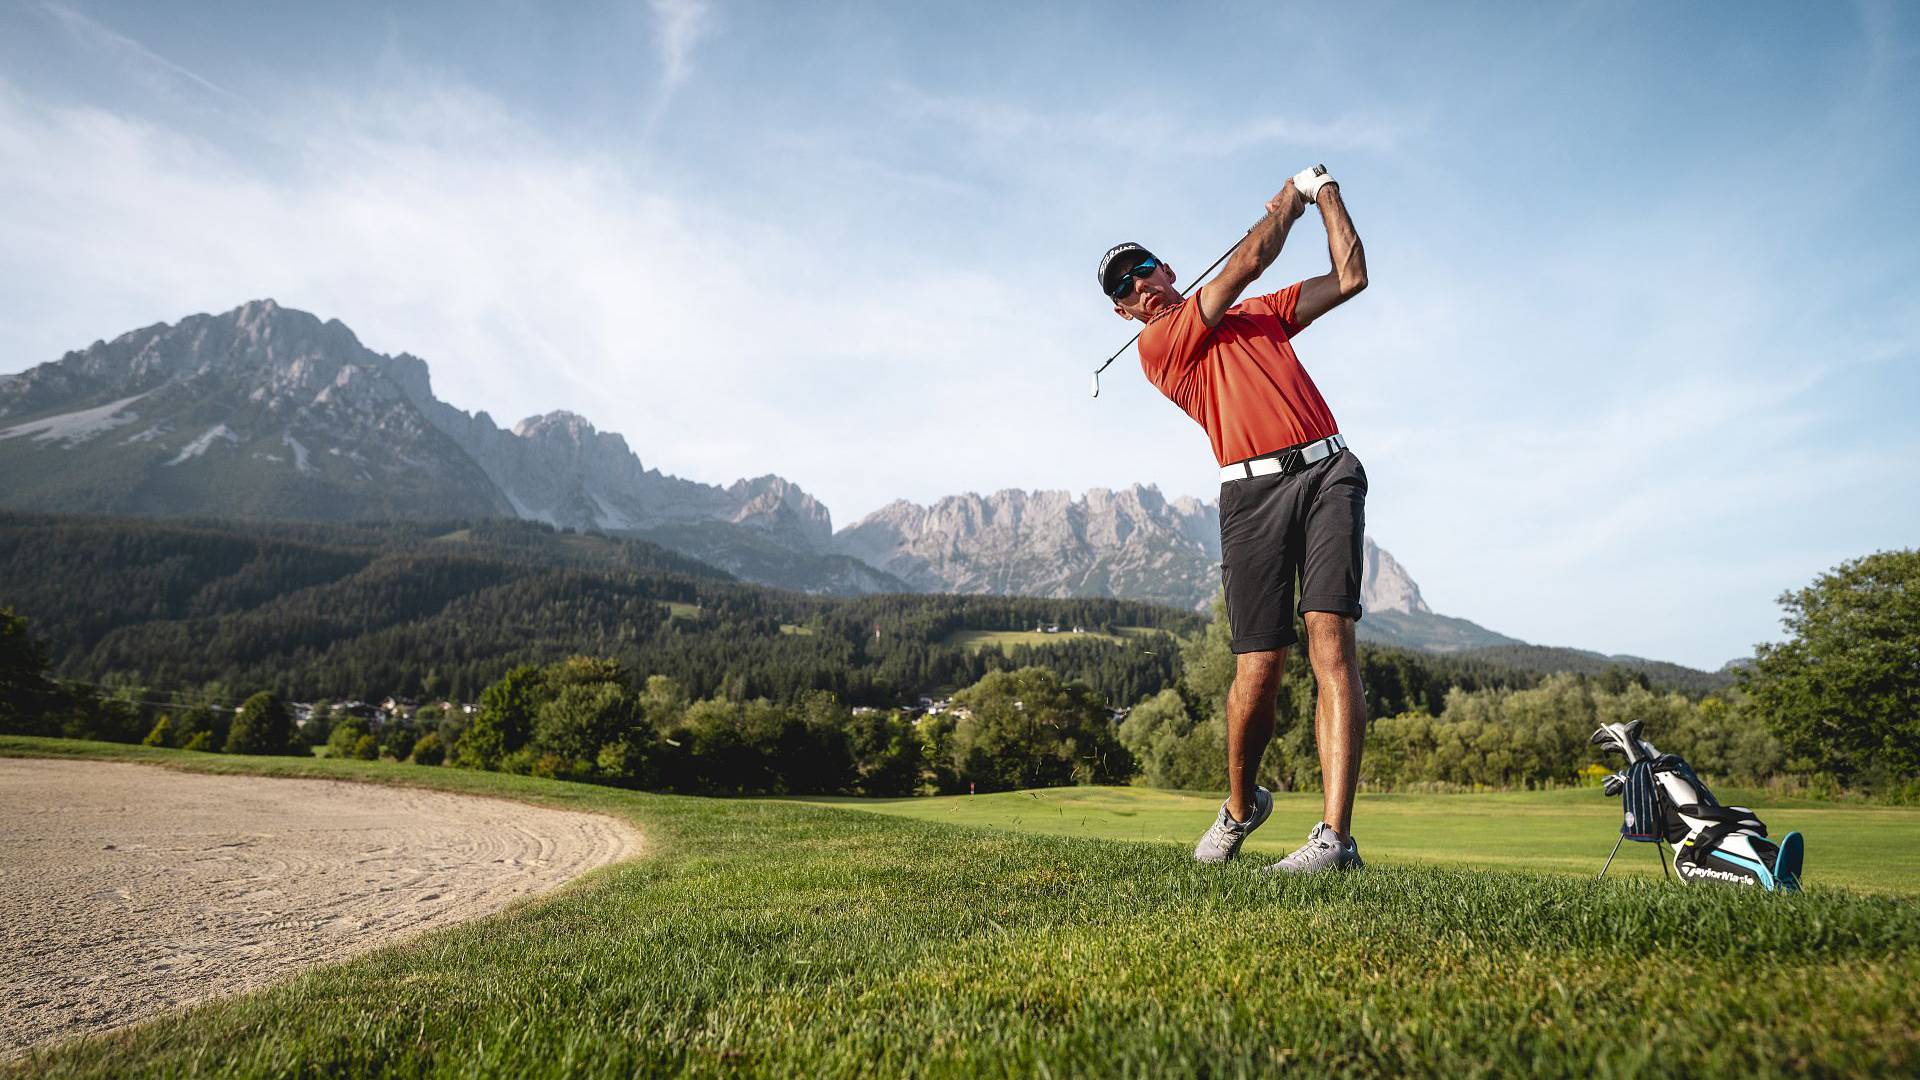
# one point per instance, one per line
(1259, 672)
(1330, 642)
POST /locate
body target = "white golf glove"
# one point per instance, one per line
(1310, 181)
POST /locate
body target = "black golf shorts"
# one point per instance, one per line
(1274, 529)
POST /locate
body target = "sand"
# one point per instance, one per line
(128, 890)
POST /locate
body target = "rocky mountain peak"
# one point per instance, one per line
(560, 424)
(776, 503)
(1386, 586)
(1130, 543)
(262, 407)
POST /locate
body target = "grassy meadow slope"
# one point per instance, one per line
(774, 938)
(1854, 846)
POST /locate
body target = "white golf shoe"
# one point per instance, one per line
(1223, 839)
(1322, 851)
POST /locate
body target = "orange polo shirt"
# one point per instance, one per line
(1239, 379)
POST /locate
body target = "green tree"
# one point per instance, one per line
(27, 699)
(1843, 691)
(816, 756)
(580, 719)
(1199, 757)
(203, 725)
(1173, 749)
(504, 721)
(1027, 729)
(886, 751)
(262, 726)
(345, 736)
(1207, 665)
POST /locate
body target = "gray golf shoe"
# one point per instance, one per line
(1223, 839)
(1320, 852)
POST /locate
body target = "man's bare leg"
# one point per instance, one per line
(1339, 712)
(1256, 679)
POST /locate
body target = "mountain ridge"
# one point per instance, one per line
(270, 412)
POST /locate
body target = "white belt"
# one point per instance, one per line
(1286, 461)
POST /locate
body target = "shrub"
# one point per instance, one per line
(162, 733)
(262, 726)
(396, 740)
(346, 735)
(427, 750)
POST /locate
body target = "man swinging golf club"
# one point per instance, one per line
(1292, 496)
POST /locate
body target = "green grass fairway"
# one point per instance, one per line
(768, 938)
(1874, 848)
(975, 640)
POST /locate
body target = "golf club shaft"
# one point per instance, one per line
(1183, 295)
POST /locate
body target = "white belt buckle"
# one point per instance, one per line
(1318, 450)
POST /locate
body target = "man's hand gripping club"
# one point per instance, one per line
(1318, 295)
(1263, 242)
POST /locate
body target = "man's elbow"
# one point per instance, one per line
(1352, 285)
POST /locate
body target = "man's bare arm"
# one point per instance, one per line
(1319, 295)
(1256, 252)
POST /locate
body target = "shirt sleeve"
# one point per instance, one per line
(1171, 347)
(1279, 305)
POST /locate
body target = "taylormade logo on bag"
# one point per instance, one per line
(1691, 871)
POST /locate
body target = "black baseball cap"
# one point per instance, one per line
(1119, 259)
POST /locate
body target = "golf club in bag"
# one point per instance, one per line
(1661, 800)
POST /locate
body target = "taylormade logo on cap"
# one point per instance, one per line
(1119, 259)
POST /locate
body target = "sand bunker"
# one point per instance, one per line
(126, 890)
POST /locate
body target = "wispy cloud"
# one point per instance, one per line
(679, 27)
(1597, 410)
(156, 70)
(998, 121)
(532, 276)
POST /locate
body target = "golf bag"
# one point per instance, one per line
(1661, 800)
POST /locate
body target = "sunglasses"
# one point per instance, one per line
(1125, 288)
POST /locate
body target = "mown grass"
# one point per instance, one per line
(1873, 848)
(975, 640)
(769, 938)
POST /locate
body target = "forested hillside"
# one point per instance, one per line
(349, 611)
(443, 610)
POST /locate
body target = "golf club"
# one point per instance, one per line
(1317, 170)
(1183, 295)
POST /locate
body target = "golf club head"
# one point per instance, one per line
(1612, 784)
(1626, 739)
(1096, 384)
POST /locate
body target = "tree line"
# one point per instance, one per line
(1834, 707)
(444, 610)
(616, 662)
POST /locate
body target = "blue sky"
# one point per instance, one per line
(1640, 350)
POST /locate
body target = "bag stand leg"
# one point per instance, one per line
(1658, 848)
(1610, 855)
